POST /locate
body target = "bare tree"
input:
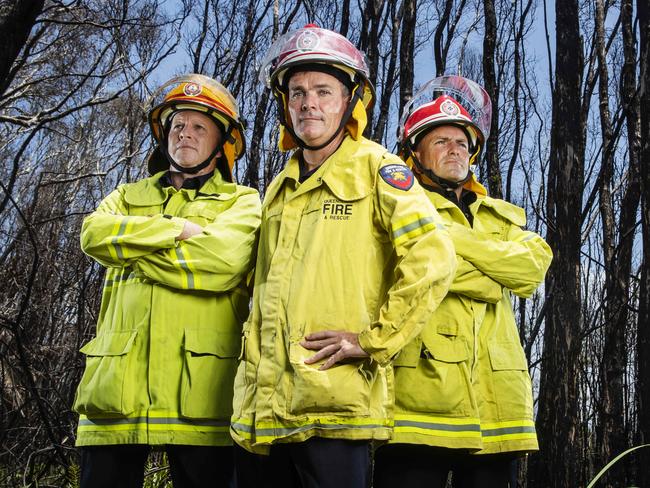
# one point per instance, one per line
(489, 78)
(16, 21)
(557, 417)
(612, 435)
(643, 320)
(407, 53)
(72, 124)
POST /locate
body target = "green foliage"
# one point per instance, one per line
(72, 476)
(156, 473)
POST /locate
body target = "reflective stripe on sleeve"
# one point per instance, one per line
(183, 261)
(411, 226)
(116, 250)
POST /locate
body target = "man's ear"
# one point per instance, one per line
(416, 151)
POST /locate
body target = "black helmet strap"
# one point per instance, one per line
(444, 183)
(226, 136)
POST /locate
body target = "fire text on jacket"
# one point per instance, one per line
(336, 210)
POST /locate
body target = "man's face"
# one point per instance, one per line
(445, 151)
(317, 102)
(192, 138)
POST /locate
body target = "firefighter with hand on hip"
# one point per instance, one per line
(178, 247)
(462, 390)
(352, 260)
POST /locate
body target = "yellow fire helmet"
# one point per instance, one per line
(314, 49)
(202, 94)
(446, 100)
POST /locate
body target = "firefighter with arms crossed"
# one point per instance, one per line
(462, 390)
(352, 259)
(177, 247)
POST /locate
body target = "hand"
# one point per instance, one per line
(190, 229)
(333, 344)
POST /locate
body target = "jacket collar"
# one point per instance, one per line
(344, 173)
(150, 191)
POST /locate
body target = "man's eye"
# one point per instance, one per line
(324, 92)
(296, 95)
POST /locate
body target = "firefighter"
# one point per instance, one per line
(463, 394)
(177, 247)
(344, 277)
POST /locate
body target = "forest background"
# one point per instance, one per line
(569, 83)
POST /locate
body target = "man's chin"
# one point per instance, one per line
(314, 139)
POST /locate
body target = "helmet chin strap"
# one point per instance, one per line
(358, 93)
(193, 169)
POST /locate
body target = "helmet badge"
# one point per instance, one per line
(307, 41)
(450, 108)
(192, 89)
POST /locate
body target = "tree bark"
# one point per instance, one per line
(555, 465)
(643, 324)
(390, 74)
(16, 22)
(369, 43)
(611, 438)
(489, 79)
(406, 53)
(441, 61)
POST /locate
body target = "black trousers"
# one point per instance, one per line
(122, 466)
(314, 463)
(419, 466)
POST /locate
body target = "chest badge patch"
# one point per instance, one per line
(398, 176)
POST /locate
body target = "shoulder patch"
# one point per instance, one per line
(398, 176)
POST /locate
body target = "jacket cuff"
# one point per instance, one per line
(178, 224)
(379, 355)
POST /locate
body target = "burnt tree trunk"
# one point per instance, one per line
(406, 54)
(490, 81)
(643, 324)
(611, 436)
(555, 465)
(16, 23)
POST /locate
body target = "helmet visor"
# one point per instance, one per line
(467, 92)
(310, 45)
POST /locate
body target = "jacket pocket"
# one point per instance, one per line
(210, 364)
(202, 212)
(409, 356)
(342, 389)
(440, 383)
(512, 386)
(108, 384)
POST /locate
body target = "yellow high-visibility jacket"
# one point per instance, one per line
(356, 247)
(162, 366)
(464, 382)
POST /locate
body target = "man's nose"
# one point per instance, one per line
(308, 101)
(184, 133)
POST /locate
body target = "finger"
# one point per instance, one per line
(322, 354)
(322, 334)
(333, 359)
(314, 345)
